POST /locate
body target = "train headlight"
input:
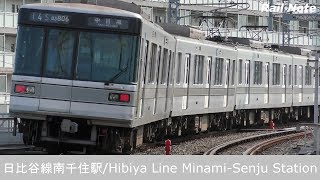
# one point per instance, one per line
(119, 97)
(24, 89)
(30, 90)
(113, 97)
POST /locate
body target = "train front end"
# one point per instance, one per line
(75, 74)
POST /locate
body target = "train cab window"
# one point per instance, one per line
(295, 75)
(209, 59)
(240, 72)
(218, 71)
(308, 75)
(290, 75)
(178, 68)
(164, 66)
(30, 39)
(276, 74)
(61, 44)
(233, 71)
(152, 63)
(187, 68)
(247, 72)
(198, 69)
(257, 78)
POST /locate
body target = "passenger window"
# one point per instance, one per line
(158, 64)
(308, 75)
(218, 71)
(178, 69)
(233, 71)
(240, 71)
(198, 69)
(295, 75)
(247, 72)
(284, 74)
(164, 66)
(209, 69)
(290, 75)
(301, 75)
(172, 59)
(152, 63)
(187, 68)
(257, 78)
(276, 74)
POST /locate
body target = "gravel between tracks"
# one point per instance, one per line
(291, 147)
(196, 146)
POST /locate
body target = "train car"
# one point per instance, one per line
(99, 79)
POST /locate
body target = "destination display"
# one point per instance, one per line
(108, 23)
(50, 18)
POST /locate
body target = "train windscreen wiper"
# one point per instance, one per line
(116, 76)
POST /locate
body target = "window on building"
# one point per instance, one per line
(290, 75)
(198, 69)
(164, 66)
(13, 47)
(152, 63)
(218, 71)
(240, 71)
(257, 79)
(187, 68)
(3, 83)
(276, 74)
(308, 75)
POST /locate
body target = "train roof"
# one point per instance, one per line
(82, 8)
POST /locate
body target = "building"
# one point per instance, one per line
(191, 12)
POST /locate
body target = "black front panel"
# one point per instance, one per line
(79, 20)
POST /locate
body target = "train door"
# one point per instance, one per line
(267, 69)
(247, 81)
(284, 82)
(186, 82)
(227, 74)
(143, 77)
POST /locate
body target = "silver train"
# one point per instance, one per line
(92, 78)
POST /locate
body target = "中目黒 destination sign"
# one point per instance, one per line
(112, 23)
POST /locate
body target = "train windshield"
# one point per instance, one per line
(29, 50)
(95, 56)
(106, 57)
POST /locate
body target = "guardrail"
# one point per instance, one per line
(6, 123)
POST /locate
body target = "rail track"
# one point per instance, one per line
(256, 143)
